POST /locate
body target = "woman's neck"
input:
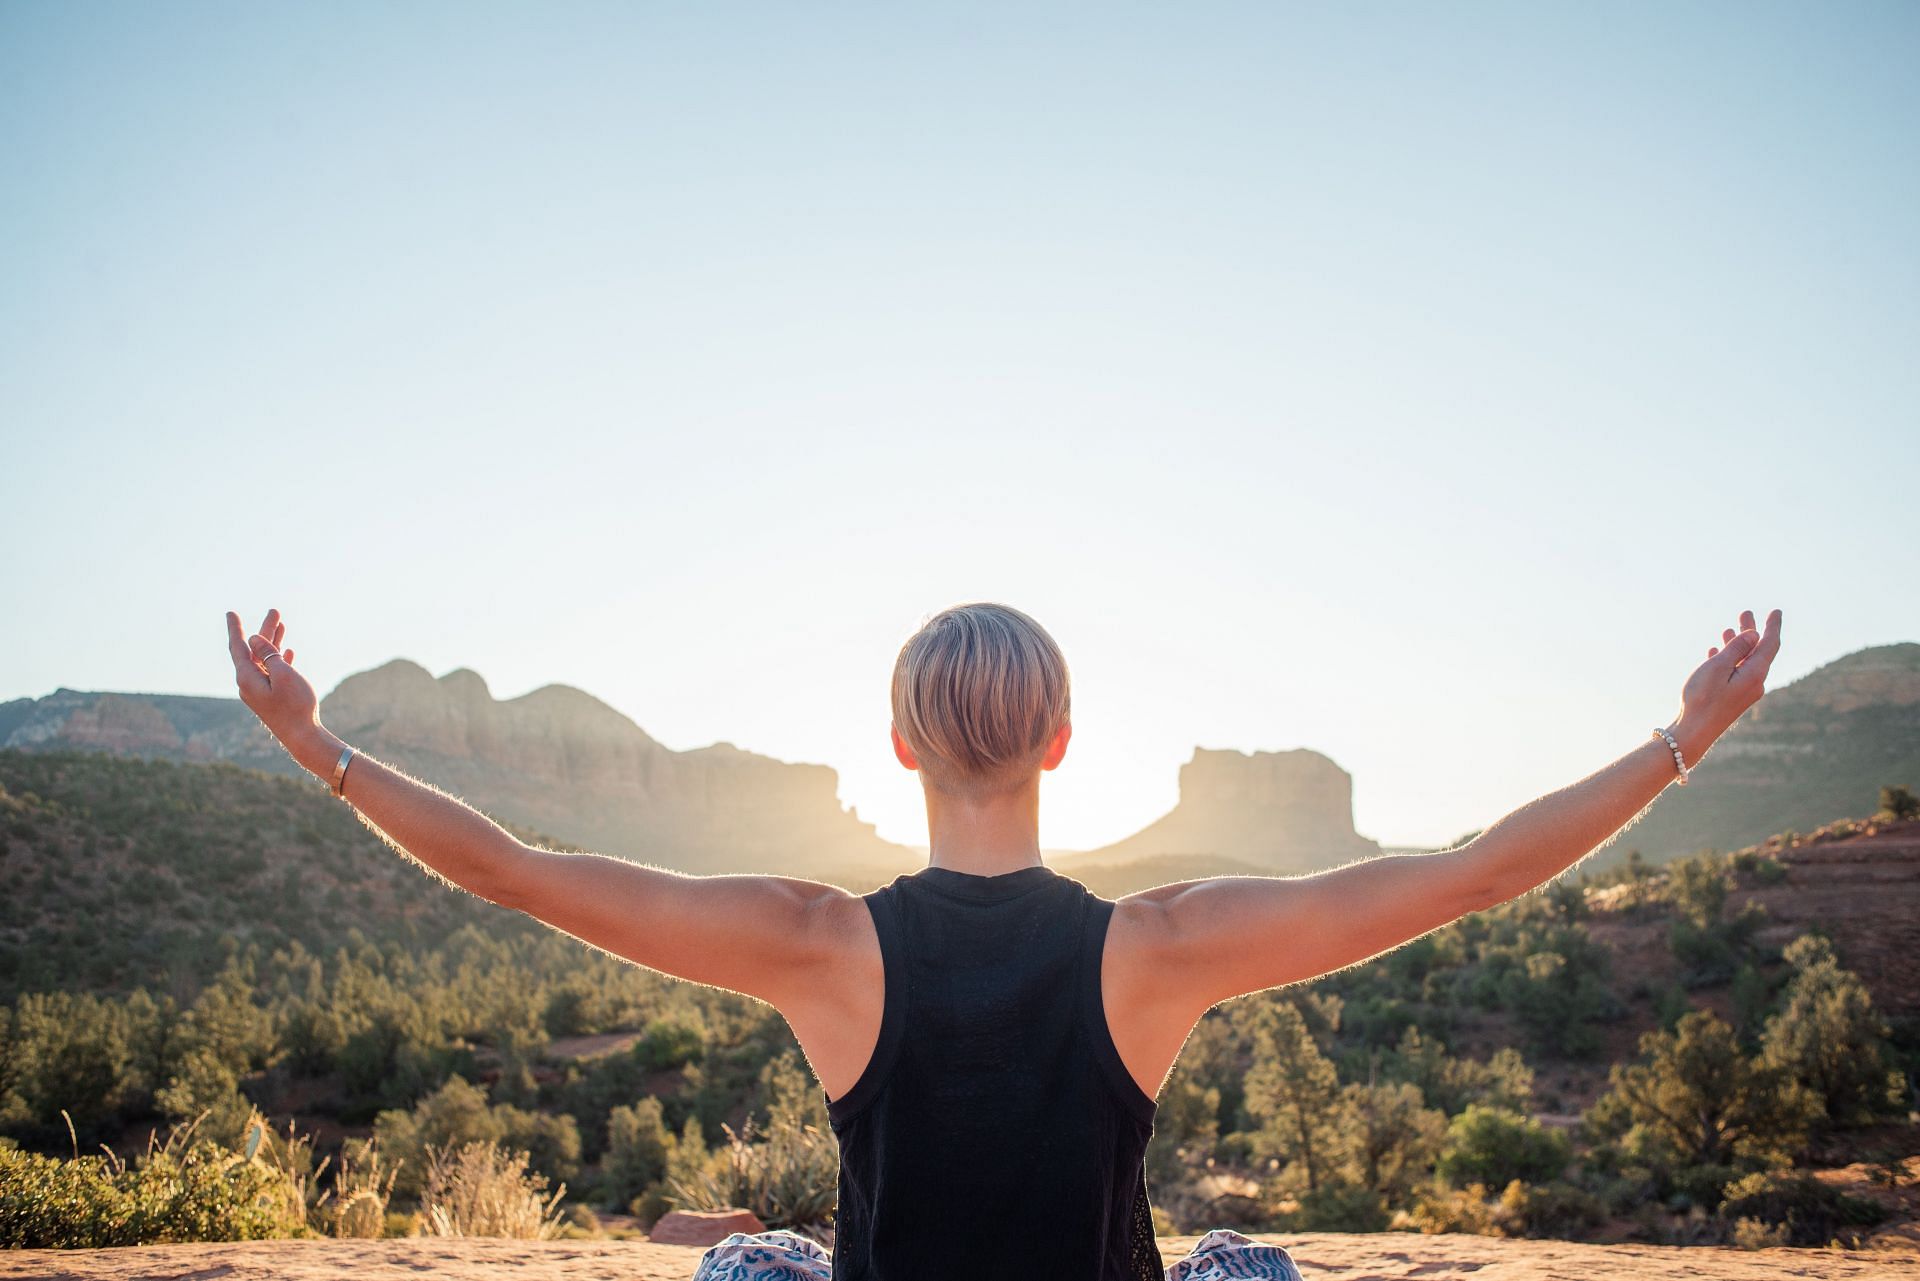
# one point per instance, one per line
(985, 837)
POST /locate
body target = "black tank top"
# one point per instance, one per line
(995, 1134)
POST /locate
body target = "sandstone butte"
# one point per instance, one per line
(1320, 1256)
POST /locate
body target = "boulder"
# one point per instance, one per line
(703, 1227)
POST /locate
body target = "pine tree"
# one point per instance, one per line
(1293, 1090)
(1702, 1101)
(1829, 1036)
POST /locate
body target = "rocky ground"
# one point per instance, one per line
(1320, 1256)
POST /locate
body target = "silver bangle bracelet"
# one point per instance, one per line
(1679, 761)
(338, 785)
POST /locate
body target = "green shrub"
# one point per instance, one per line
(1388, 1137)
(1753, 1234)
(1558, 991)
(1493, 1146)
(1829, 1036)
(1709, 947)
(650, 1205)
(1339, 1207)
(1899, 804)
(670, 1043)
(637, 1144)
(1444, 1209)
(1450, 1084)
(789, 1178)
(1809, 1212)
(458, 1113)
(184, 1190)
(1699, 1099)
(50, 1203)
(1555, 1209)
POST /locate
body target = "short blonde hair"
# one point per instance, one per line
(978, 694)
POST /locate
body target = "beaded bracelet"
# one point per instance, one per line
(1679, 761)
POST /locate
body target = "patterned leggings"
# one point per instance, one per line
(778, 1255)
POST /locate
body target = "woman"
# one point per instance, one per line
(991, 1036)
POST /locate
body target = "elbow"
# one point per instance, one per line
(500, 896)
(1480, 897)
(1480, 886)
(506, 884)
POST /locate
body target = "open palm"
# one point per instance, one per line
(280, 696)
(1734, 676)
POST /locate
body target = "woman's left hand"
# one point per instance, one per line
(280, 696)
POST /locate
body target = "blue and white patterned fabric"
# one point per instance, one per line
(1224, 1253)
(778, 1255)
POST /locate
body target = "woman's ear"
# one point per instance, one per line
(1057, 749)
(901, 751)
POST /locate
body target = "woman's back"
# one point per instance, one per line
(995, 1131)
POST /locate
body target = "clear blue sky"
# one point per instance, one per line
(1422, 384)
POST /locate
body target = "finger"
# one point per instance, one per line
(1712, 650)
(271, 659)
(262, 649)
(1768, 646)
(1746, 621)
(1728, 635)
(288, 655)
(245, 669)
(1736, 649)
(267, 624)
(280, 633)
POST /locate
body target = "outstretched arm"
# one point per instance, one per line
(764, 936)
(1225, 937)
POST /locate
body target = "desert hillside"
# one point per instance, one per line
(1812, 751)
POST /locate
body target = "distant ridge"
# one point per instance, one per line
(559, 760)
(1810, 752)
(555, 760)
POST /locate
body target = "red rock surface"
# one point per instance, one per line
(701, 1227)
(1321, 1256)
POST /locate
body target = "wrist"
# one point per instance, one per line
(1694, 735)
(316, 748)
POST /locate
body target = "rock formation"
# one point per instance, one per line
(561, 761)
(557, 761)
(1283, 812)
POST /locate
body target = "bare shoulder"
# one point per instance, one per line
(1151, 922)
(1141, 921)
(1142, 945)
(841, 930)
